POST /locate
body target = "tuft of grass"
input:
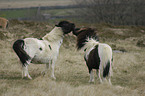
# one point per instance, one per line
(141, 43)
(2, 36)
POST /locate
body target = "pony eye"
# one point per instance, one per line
(40, 49)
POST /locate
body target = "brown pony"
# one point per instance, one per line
(3, 23)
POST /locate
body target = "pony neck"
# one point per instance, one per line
(89, 44)
(55, 35)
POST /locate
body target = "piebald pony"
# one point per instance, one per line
(45, 51)
(97, 55)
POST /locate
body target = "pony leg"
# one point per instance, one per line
(28, 73)
(109, 78)
(109, 81)
(99, 74)
(48, 66)
(52, 70)
(46, 70)
(25, 72)
(91, 76)
(50, 63)
(110, 73)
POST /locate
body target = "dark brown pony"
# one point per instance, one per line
(97, 55)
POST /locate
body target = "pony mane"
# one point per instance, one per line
(54, 34)
(83, 35)
(90, 42)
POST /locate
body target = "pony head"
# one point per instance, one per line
(83, 34)
(66, 26)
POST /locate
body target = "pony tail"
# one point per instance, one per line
(107, 61)
(18, 47)
(106, 70)
(111, 72)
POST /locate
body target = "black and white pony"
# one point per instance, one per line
(45, 51)
(97, 55)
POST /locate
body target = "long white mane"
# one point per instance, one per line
(90, 43)
(54, 35)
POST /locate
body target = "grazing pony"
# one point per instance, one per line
(3, 23)
(97, 55)
(45, 51)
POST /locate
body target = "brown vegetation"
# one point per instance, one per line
(117, 12)
(71, 71)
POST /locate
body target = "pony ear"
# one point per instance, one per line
(75, 31)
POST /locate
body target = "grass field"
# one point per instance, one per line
(71, 72)
(38, 14)
(32, 3)
(32, 13)
(15, 14)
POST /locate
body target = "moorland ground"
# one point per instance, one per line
(71, 71)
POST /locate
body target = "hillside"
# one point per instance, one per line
(71, 71)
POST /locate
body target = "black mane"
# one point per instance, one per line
(66, 26)
(83, 34)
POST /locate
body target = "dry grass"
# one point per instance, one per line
(71, 72)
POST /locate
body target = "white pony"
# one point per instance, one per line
(45, 51)
(97, 55)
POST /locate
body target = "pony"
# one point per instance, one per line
(44, 51)
(98, 56)
(3, 23)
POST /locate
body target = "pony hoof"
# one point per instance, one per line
(110, 83)
(53, 77)
(27, 77)
(91, 81)
(30, 78)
